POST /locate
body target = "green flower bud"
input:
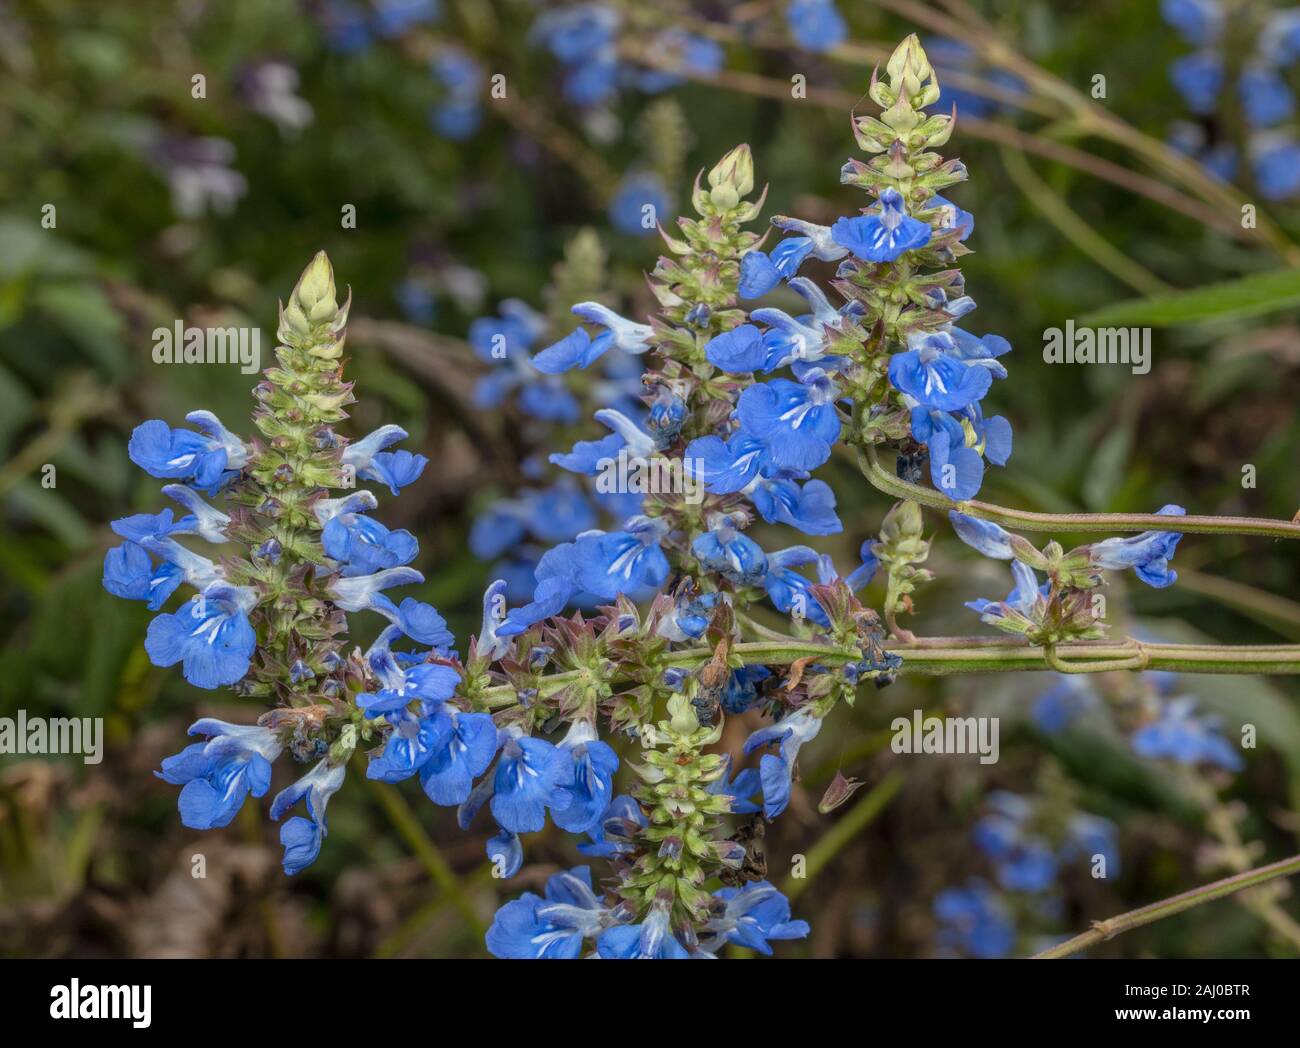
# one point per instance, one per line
(908, 66)
(681, 715)
(734, 171)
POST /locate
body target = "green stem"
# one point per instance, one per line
(945, 656)
(1108, 929)
(1024, 520)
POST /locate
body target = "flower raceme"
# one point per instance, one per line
(750, 403)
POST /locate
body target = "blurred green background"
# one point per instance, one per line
(168, 206)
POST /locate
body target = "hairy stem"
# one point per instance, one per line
(1103, 930)
(1024, 520)
(945, 656)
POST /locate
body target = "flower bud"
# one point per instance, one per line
(681, 715)
(902, 522)
(908, 66)
(735, 171)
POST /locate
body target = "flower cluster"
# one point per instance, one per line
(1262, 95)
(269, 619)
(749, 403)
(736, 409)
(1062, 608)
(1030, 843)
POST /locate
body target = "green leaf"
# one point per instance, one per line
(1248, 297)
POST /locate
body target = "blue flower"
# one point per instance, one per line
(750, 917)
(787, 589)
(525, 783)
(883, 235)
(1060, 706)
(1199, 22)
(758, 275)
(553, 928)
(816, 25)
(146, 527)
(741, 691)
(932, 374)
(411, 743)
(1089, 836)
(952, 217)
(463, 754)
(590, 456)
(210, 459)
(788, 340)
(696, 56)
(747, 782)
(790, 591)
(554, 514)
(576, 350)
(346, 28)
(1148, 554)
(975, 920)
(988, 538)
(1280, 38)
(956, 469)
(129, 573)
(638, 202)
(459, 113)
(689, 616)
(417, 620)
(810, 508)
(302, 837)
(555, 587)
(738, 351)
(1265, 97)
(620, 821)
(395, 17)
(652, 940)
(1275, 162)
(797, 419)
(811, 241)
(776, 770)
(219, 774)
(609, 564)
(362, 545)
(1178, 735)
(585, 775)
(574, 34)
(725, 550)
(1024, 863)
(397, 469)
(489, 643)
(361, 592)
(1023, 600)
(592, 83)
(210, 635)
(504, 849)
(981, 351)
(1198, 77)
(430, 683)
(727, 466)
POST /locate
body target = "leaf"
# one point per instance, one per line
(1248, 297)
